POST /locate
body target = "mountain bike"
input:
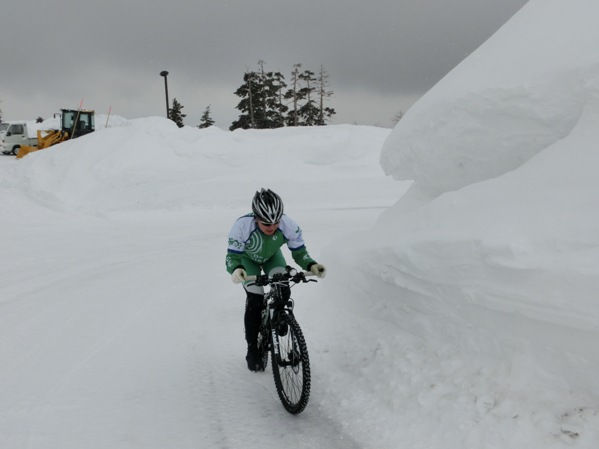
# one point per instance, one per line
(281, 335)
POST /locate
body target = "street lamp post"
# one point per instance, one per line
(164, 73)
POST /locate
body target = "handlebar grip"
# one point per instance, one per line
(253, 277)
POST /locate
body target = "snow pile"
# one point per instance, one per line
(115, 169)
(490, 262)
(521, 91)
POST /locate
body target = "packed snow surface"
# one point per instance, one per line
(460, 309)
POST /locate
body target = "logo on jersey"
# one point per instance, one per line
(235, 244)
(254, 245)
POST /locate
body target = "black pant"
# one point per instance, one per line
(254, 304)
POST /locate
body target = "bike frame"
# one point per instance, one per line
(290, 361)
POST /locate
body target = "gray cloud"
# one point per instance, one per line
(110, 53)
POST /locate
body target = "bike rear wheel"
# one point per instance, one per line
(291, 366)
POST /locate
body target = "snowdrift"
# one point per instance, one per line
(490, 262)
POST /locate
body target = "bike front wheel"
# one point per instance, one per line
(291, 365)
(263, 338)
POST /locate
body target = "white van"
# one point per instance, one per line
(3, 127)
(15, 134)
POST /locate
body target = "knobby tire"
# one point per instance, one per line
(263, 347)
(291, 367)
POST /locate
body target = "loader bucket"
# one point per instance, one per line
(24, 150)
(45, 139)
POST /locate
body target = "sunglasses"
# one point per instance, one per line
(269, 225)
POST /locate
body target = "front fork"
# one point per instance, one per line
(274, 320)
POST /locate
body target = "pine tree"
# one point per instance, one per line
(261, 103)
(324, 113)
(308, 112)
(248, 93)
(278, 107)
(175, 113)
(271, 110)
(265, 102)
(295, 95)
(206, 121)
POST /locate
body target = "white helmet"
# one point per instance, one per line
(267, 206)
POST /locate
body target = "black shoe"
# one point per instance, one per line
(254, 360)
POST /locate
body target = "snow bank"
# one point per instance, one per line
(521, 91)
(488, 268)
(115, 168)
(521, 236)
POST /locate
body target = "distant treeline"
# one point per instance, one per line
(267, 101)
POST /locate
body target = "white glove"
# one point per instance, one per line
(238, 276)
(319, 270)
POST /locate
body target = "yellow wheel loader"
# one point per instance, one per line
(74, 123)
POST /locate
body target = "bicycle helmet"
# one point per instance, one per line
(267, 206)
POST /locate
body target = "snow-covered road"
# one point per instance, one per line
(129, 333)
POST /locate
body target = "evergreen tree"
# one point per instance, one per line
(295, 95)
(175, 113)
(39, 120)
(206, 121)
(261, 100)
(261, 103)
(277, 105)
(271, 110)
(308, 112)
(268, 102)
(248, 92)
(324, 113)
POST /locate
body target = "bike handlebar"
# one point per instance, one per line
(290, 276)
(254, 277)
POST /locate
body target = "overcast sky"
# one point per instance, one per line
(380, 55)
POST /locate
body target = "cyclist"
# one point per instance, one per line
(254, 246)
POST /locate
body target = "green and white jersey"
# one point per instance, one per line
(246, 240)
